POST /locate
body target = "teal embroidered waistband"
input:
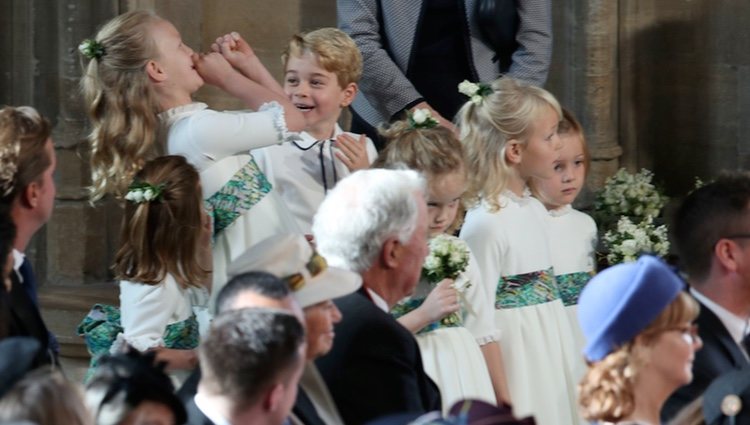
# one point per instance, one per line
(571, 285)
(454, 320)
(526, 289)
(246, 188)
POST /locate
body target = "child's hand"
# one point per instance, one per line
(442, 301)
(176, 359)
(353, 153)
(213, 68)
(235, 50)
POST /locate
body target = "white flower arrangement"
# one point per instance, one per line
(422, 118)
(143, 192)
(474, 91)
(629, 240)
(632, 195)
(448, 258)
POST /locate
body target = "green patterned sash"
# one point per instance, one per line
(102, 324)
(526, 289)
(246, 188)
(571, 285)
(451, 321)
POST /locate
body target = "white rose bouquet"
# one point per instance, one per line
(629, 240)
(448, 258)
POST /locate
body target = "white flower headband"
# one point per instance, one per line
(475, 91)
(139, 193)
(422, 118)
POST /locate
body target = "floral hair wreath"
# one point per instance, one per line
(91, 49)
(475, 91)
(421, 118)
(142, 192)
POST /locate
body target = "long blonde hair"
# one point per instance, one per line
(485, 127)
(121, 103)
(606, 392)
(162, 236)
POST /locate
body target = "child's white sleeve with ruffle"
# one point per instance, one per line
(145, 312)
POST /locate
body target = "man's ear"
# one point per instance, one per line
(513, 151)
(155, 71)
(726, 253)
(29, 197)
(273, 397)
(390, 253)
(350, 91)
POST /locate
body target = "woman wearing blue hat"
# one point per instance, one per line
(641, 342)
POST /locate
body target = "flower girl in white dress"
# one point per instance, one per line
(509, 131)
(452, 317)
(138, 84)
(572, 233)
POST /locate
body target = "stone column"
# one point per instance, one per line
(584, 76)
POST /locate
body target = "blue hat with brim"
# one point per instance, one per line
(621, 301)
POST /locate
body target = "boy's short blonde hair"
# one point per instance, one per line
(335, 50)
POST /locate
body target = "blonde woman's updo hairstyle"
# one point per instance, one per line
(121, 102)
(161, 236)
(622, 311)
(23, 160)
(487, 125)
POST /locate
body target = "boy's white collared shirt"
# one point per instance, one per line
(302, 171)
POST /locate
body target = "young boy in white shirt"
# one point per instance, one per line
(321, 69)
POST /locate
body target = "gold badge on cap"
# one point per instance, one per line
(731, 405)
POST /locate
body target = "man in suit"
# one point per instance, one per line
(251, 362)
(416, 52)
(374, 222)
(27, 188)
(711, 232)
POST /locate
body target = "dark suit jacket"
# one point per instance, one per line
(719, 354)
(305, 410)
(25, 319)
(194, 414)
(375, 367)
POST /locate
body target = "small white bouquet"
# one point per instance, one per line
(448, 258)
(631, 195)
(629, 240)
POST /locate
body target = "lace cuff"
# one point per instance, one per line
(279, 122)
(492, 337)
(121, 344)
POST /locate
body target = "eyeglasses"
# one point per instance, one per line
(689, 332)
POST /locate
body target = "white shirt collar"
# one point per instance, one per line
(18, 259)
(308, 140)
(735, 325)
(204, 406)
(378, 300)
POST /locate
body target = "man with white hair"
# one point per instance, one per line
(374, 222)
